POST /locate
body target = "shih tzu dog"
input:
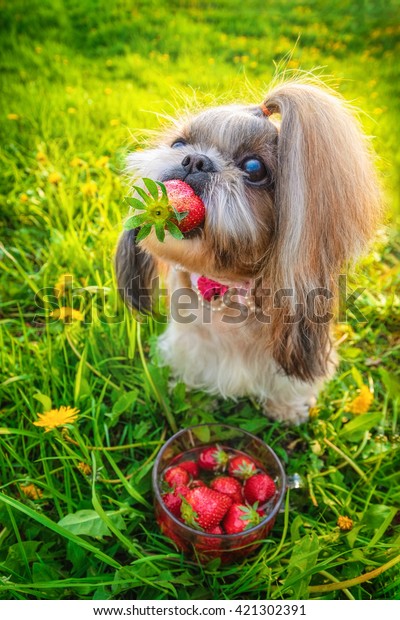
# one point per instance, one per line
(291, 196)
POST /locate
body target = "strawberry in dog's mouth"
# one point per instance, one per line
(172, 206)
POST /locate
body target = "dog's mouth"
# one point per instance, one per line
(198, 182)
(198, 186)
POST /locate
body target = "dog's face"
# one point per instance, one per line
(288, 201)
(228, 155)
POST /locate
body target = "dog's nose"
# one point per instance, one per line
(197, 163)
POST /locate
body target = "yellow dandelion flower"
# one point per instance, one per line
(77, 162)
(41, 157)
(343, 329)
(69, 89)
(114, 122)
(89, 188)
(24, 198)
(57, 417)
(107, 91)
(102, 161)
(109, 63)
(32, 491)
(313, 412)
(38, 50)
(67, 314)
(71, 110)
(345, 524)
(63, 282)
(85, 469)
(13, 117)
(362, 402)
(54, 178)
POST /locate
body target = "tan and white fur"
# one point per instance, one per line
(278, 237)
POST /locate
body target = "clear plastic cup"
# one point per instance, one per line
(199, 544)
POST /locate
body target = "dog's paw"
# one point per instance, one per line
(288, 413)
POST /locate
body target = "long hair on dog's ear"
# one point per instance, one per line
(327, 203)
(135, 270)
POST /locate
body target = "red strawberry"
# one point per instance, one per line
(204, 508)
(172, 206)
(213, 458)
(173, 500)
(181, 490)
(197, 483)
(191, 467)
(205, 544)
(239, 518)
(259, 488)
(173, 503)
(216, 530)
(229, 486)
(175, 476)
(242, 467)
(183, 198)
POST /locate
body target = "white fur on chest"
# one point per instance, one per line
(210, 359)
(223, 358)
(232, 360)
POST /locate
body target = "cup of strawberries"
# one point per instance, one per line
(218, 490)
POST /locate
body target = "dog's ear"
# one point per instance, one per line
(135, 270)
(327, 205)
(300, 336)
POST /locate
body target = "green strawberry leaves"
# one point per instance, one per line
(173, 229)
(250, 515)
(180, 215)
(135, 221)
(152, 186)
(134, 202)
(160, 233)
(143, 232)
(189, 515)
(155, 211)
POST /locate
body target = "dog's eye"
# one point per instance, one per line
(178, 144)
(255, 170)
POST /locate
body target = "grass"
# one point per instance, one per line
(81, 83)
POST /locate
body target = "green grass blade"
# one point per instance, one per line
(48, 523)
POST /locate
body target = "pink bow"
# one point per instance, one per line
(209, 288)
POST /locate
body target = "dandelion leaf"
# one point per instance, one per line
(301, 564)
(88, 523)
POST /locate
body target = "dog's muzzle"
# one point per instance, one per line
(196, 170)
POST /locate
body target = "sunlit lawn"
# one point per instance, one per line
(83, 82)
